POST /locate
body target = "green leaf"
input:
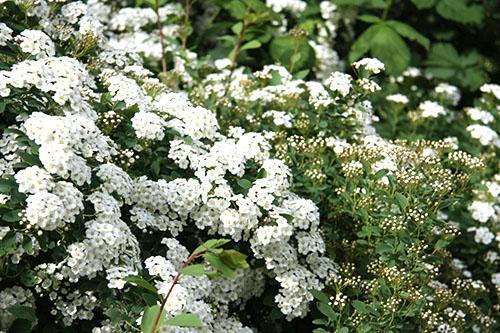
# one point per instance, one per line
(369, 19)
(459, 11)
(360, 307)
(344, 330)
(407, 31)
(244, 183)
(30, 159)
(283, 47)
(236, 28)
(253, 44)
(23, 312)
(185, 320)
(327, 311)
(391, 49)
(8, 243)
(219, 265)
(194, 269)
(2, 107)
(401, 200)
(320, 296)
(115, 315)
(139, 281)
(237, 9)
(234, 259)
(362, 44)
(211, 244)
(421, 4)
(302, 74)
(148, 318)
(12, 216)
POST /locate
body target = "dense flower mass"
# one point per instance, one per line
(367, 196)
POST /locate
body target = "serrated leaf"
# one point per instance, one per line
(391, 49)
(283, 47)
(219, 265)
(211, 244)
(407, 31)
(460, 11)
(185, 320)
(234, 259)
(362, 44)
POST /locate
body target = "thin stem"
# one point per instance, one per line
(187, 12)
(241, 36)
(386, 9)
(189, 260)
(160, 33)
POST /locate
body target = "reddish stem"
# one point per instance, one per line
(189, 260)
(160, 32)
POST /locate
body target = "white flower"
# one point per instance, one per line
(480, 115)
(397, 98)
(148, 125)
(484, 134)
(339, 82)
(451, 93)
(481, 211)
(491, 88)
(37, 43)
(431, 109)
(5, 34)
(371, 65)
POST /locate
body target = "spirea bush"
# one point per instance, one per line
(216, 166)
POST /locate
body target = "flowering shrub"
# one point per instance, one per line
(145, 187)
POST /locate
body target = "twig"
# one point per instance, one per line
(160, 33)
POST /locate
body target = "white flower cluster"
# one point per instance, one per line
(64, 78)
(66, 141)
(339, 82)
(371, 65)
(430, 109)
(36, 43)
(293, 6)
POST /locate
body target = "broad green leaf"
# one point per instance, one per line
(327, 311)
(362, 44)
(407, 31)
(194, 269)
(460, 11)
(23, 312)
(254, 44)
(320, 296)
(185, 320)
(139, 281)
(234, 259)
(148, 318)
(391, 49)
